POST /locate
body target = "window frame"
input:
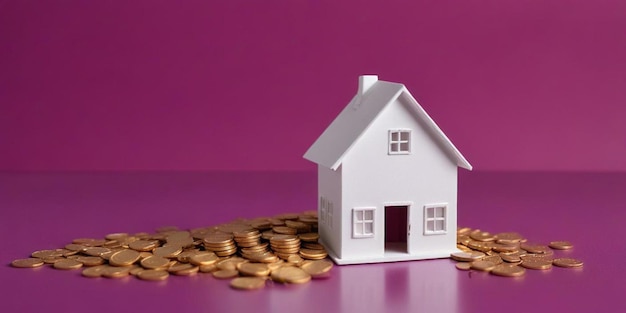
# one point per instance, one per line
(356, 220)
(434, 219)
(399, 141)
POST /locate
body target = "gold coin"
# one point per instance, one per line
(482, 236)
(167, 252)
(285, 230)
(313, 254)
(224, 274)
(27, 263)
(89, 242)
(509, 247)
(116, 271)
(317, 268)
(253, 269)
(135, 269)
(230, 264)
(496, 259)
(218, 239)
(510, 258)
(309, 237)
(536, 263)
(153, 275)
(561, 245)
(535, 248)
(261, 225)
(124, 257)
(90, 260)
(567, 262)
(203, 258)
(143, 245)
(485, 266)
(311, 245)
(116, 236)
(508, 270)
(209, 268)
(184, 269)
(226, 253)
(508, 238)
(95, 251)
(185, 255)
(74, 247)
(52, 259)
(483, 246)
(464, 266)
(467, 256)
(294, 258)
(42, 254)
(154, 262)
(247, 283)
(265, 257)
(94, 271)
(67, 264)
(290, 275)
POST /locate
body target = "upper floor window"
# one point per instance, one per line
(399, 141)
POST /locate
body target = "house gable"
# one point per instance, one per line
(338, 139)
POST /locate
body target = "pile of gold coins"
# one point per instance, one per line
(281, 249)
(507, 254)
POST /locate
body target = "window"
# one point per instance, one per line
(326, 212)
(435, 219)
(399, 141)
(363, 223)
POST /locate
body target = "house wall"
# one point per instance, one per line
(373, 178)
(329, 224)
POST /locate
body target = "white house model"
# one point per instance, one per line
(387, 179)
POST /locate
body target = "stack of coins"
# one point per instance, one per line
(507, 254)
(285, 245)
(221, 243)
(250, 252)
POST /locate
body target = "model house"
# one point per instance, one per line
(387, 179)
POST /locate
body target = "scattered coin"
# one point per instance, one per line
(464, 266)
(153, 275)
(27, 263)
(290, 275)
(467, 256)
(224, 274)
(94, 271)
(154, 262)
(67, 264)
(124, 257)
(561, 245)
(508, 255)
(567, 262)
(485, 266)
(317, 268)
(248, 283)
(508, 270)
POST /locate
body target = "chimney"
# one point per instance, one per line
(365, 82)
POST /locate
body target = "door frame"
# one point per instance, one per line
(408, 205)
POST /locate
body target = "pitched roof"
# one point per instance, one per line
(347, 128)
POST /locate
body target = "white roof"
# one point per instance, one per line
(347, 128)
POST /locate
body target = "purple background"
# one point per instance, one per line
(204, 85)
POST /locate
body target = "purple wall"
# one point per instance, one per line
(188, 85)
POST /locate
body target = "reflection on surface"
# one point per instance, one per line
(421, 286)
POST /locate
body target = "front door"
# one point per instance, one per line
(397, 228)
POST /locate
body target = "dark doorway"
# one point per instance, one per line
(396, 228)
